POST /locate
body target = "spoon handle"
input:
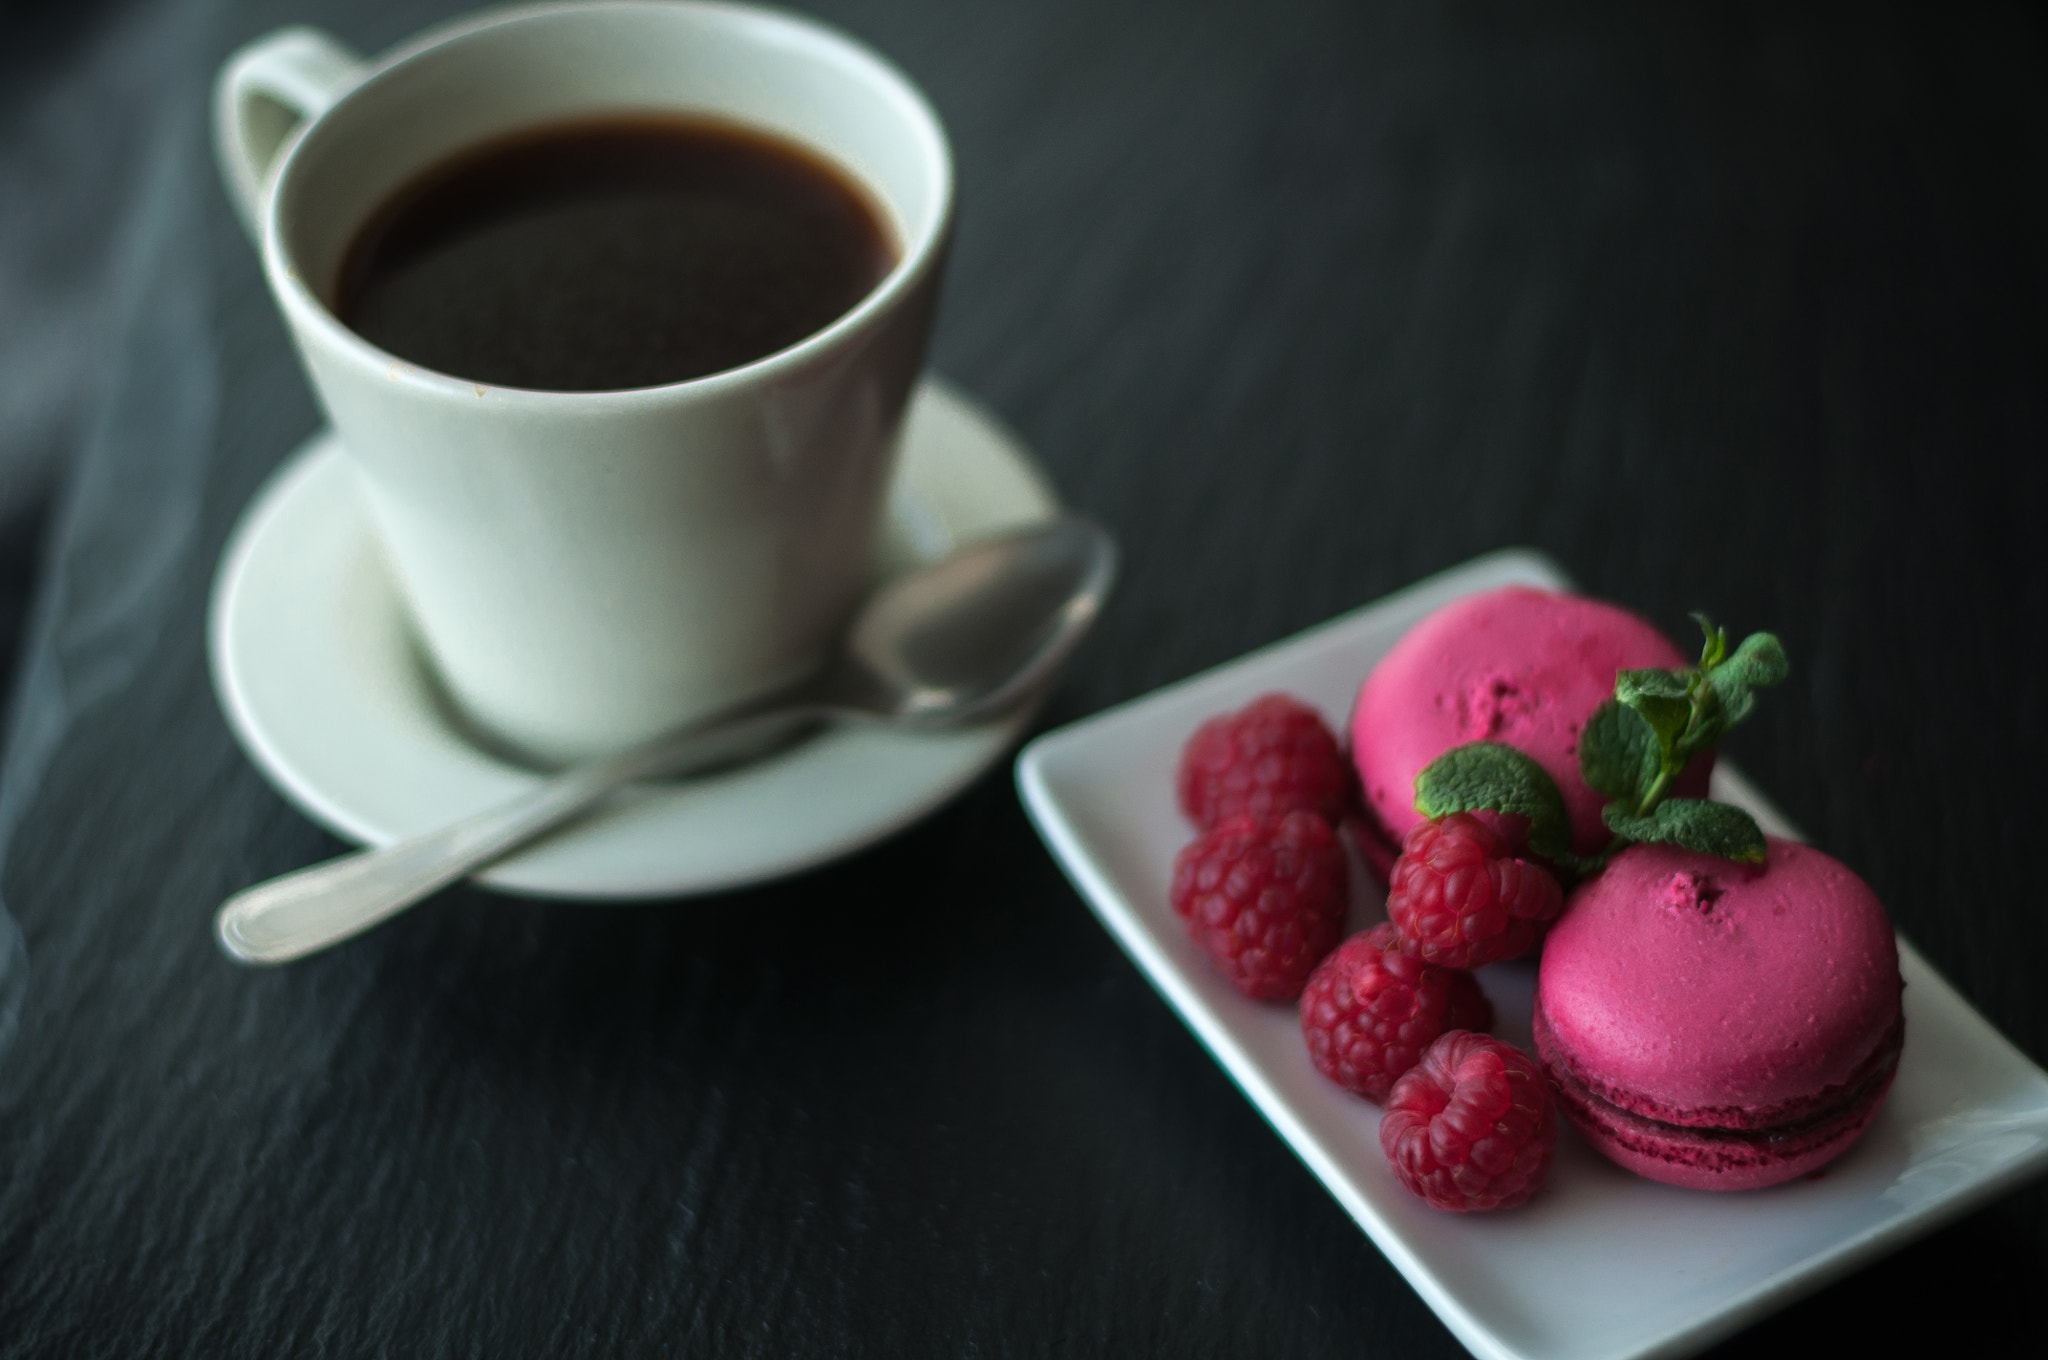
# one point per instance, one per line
(299, 913)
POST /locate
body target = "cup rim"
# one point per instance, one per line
(919, 257)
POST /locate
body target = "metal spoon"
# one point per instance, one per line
(957, 640)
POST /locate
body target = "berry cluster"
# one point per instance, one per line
(1264, 887)
(1392, 1014)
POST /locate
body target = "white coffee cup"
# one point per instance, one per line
(588, 568)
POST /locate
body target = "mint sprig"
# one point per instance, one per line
(1642, 739)
(1632, 749)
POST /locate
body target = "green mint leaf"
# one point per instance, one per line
(1618, 753)
(1655, 683)
(1758, 663)
(1490, 775)
(1695, 823)
(1737, 699)
(1661, 697)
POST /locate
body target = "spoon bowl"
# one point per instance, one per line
(978, 630)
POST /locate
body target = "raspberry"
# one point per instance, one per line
(1471, 1126)
(1264, 898)
(1462, 899)
(1270, 758)
(1369, 1010)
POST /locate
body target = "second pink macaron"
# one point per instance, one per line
(1516, 665)
(1717, 1025)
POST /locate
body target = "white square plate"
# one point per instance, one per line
(1601, 1265)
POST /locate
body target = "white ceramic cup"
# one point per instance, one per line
(586, 569)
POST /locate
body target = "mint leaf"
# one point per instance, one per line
(1490, 775)
(1659, 684)
(1759, 662)
(1619, 753)
(1661, 697)
(1695, 823)
(1737, 700)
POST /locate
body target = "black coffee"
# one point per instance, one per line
(612, 253)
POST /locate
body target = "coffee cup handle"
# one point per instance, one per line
(262, 95)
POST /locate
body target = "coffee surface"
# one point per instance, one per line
(612, 253)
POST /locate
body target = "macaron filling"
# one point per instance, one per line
(1759, 1118)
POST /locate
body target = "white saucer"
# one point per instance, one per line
(317, 671)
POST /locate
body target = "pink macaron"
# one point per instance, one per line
(1717, 1025)
(1515, 665)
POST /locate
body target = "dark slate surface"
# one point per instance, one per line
(1735, 307)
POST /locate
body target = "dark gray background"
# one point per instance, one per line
(1734, 307)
